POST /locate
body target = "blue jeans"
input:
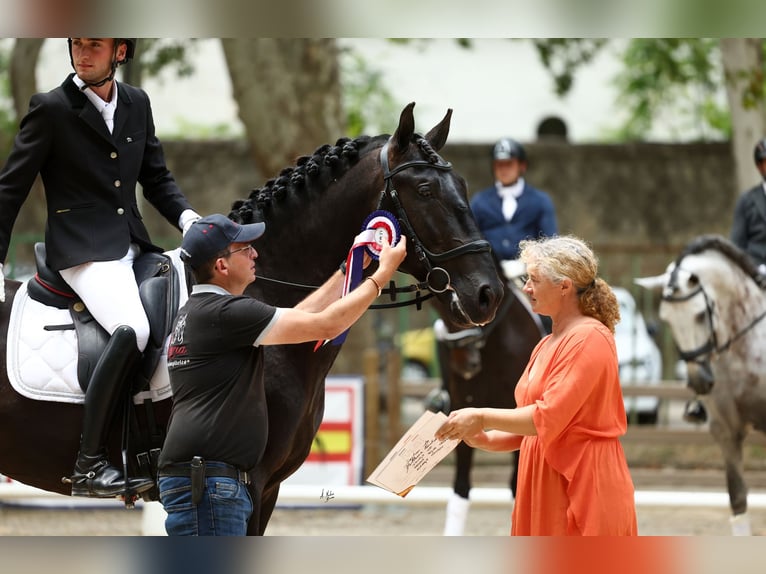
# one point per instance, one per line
(224, 510)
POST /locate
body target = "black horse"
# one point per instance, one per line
(312, 211)
(480, 367)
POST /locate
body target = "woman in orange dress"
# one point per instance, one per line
(573, 477)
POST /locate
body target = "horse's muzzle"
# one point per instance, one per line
(700, 377)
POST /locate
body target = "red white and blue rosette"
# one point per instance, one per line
(380, 228)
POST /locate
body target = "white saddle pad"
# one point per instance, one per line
(42, 364)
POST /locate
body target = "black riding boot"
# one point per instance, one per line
(93, 475)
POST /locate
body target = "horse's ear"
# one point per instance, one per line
(656, 282)
(403, 133)
(437, 137)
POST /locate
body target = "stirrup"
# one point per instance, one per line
(102, 480)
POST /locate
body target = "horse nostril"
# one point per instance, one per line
(487, 297)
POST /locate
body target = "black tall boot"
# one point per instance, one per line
(93, 475)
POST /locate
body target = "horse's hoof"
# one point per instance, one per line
(695, 413)
(436, 401)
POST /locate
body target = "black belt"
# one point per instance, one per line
(211, 470)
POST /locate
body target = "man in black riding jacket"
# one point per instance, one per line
(748, 229)
(92, 141)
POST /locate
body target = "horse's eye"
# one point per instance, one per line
(424, 190)
(700, 317)
(694, 281)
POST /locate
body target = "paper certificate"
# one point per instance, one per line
(416, 453)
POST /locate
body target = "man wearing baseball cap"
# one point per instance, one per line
(218, 427)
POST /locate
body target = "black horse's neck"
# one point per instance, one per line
(312, 212)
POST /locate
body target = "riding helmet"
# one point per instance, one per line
(507, 148)
(130, 50)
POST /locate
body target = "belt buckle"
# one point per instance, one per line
(243, 476)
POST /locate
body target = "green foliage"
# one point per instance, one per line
(156, 54)
(368, 103)
(7, 112)
(153, 55)
(680, 74)
(563, 56)
(188, 130)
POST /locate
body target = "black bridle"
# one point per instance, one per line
(438, 279)
(476, 337)
(711, 345)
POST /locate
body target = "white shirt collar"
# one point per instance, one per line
(209, 288)
(94, 98)
(514, 190)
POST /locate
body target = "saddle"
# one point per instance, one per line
(158, 287)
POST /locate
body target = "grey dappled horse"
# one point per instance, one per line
(713, 299)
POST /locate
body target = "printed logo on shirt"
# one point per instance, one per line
(177, 348)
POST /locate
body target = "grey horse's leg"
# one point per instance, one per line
(730, 441)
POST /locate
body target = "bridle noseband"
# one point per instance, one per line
(438, 279)
(711, 345)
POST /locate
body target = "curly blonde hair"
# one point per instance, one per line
(569, 256)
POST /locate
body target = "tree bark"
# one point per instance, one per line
(31, 218)
(743, 71)
(289, 96)
(26, 52)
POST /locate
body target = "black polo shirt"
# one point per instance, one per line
(216, 374)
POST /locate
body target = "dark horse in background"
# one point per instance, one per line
(480, 367)
(312, 211)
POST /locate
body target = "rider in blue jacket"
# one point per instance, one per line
(511, 209)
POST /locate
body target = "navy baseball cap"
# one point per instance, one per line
(210, 235)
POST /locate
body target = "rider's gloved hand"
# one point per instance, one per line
(2, 284)
(187, 219)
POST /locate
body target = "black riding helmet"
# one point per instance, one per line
(129, 53)
(507, 148)
(759, 153)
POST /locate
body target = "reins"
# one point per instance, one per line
(438, 279)
(392, 290)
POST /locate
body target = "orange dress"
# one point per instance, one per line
(573, 477)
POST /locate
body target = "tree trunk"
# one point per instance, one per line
(26, 52)
(743, 71)
(30, 222)
(289, 96)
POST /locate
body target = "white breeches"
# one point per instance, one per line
(109, 291)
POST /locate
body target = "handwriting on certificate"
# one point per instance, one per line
(416, 453)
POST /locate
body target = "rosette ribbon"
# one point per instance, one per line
(379, 229)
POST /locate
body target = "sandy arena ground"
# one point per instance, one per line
(335, 519)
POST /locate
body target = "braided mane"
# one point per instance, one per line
(727, 248)
(312, 174)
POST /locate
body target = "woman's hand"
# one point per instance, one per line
(479, 440)
(462, 424)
